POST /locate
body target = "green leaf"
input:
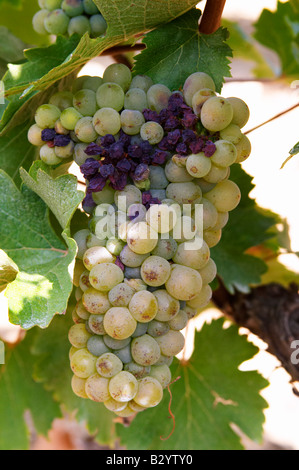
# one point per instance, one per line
(8, 270)
(244, 47)
(11, 49)
(177, 49)
(44, 282)
(248, 226)
(278, 31)
(19, 394)
(211, 395)
(52, 369)
(294, 151)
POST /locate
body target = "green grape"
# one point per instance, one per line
(108, 365)
(243, 149)
(157, 97)
(48, 155)
(46, 115)
(193, 258)
(80, 239)
(164, 360)
(38, 21)
(179, 322)
(136, 212)
(96, 345)
(142, 238)
(76, 319)
(168, 306)
(60, 129)
(208, 272)
(114, 246)
(171, 343)
(212, 237)
(72, 7)
(131, 121)
(57, 22)
(90, 7)
(41, 3)
(141, 328)
(183, 193)
(225, 196)
(158, 177)
(124, 354)
(78, 336)
(191, 312)
(110, 95)
(95, 302)
(72, 351)
(200, 97)
(69, 118)
(93, 241)
(121, 295)
(232, 133)
(150, 392)
(177, 174)
(84, 102)
(115, 406)
(162, 374)
(210, 215)
(157, 328)
(97, 388)
(83, 363)
(127, 197)
(155, 271)
(225, 154)
(141, 81)
(202, 299)
(81, 310)
(240, 111)
(222, 220)
(123, 386)
(116, 344)
(131, 259)
(126, 412)
(52, 4)
(165, 248)
(65, 152)
(107, 121)
(145, 350)
(216, 113)
(216, 174)
(137, 370)
(136, 99)
(78, 83)
(119, 323)
(79, 25)
(118, 73)
(85, 131)
(34, 136)
(195, 82)
(105, 196)
(204, 185)
(132, 405)
(161, 218)
(105, 276)
(78, 386)
(79, 153)
(98, 25)
(198, 165)
(97, 255)
(91, 83)
(184, 230)
(96, 324)
(184, 283)
(152, 132)
(143, 306)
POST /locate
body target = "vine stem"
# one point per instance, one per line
(273, 118)
(211, 18)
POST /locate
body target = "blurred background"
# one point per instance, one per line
(275, 189)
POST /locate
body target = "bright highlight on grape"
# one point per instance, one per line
(150, 158)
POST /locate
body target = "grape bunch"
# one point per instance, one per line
(156, 164)
(67, 17)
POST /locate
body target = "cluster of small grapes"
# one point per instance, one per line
(156, 165)
(69, 17)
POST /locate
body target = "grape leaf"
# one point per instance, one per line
(177, 49)
(210, 395)
(19, 394)
(248, 226)
(278, 31)
(8, 270)
(11, 49)
(52, 369)
(44, 281)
